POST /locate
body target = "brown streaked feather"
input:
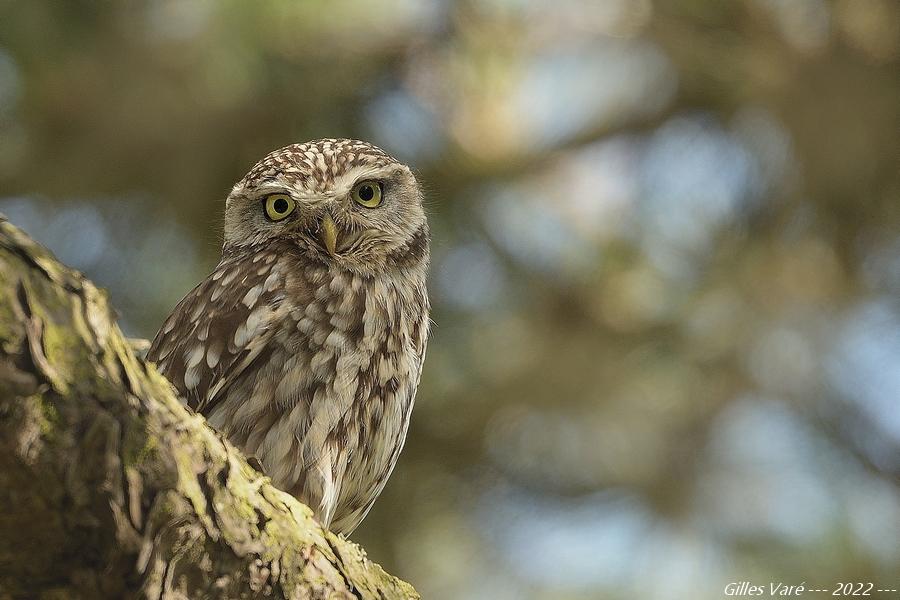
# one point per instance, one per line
(306, 359)
(208, 318)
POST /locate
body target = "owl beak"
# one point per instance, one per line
(328, 233)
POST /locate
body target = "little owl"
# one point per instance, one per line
(305, 344)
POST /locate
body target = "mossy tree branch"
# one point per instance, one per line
(109, 488)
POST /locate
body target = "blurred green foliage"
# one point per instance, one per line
(666, 257)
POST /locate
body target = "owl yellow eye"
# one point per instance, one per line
(278, 206)
(367, 193)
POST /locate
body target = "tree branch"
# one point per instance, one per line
(110, 488)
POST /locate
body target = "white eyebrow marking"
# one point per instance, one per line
(346, 181)
(298, 194)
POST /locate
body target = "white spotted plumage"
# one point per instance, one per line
(308, 359)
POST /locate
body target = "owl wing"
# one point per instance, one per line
(220, 329)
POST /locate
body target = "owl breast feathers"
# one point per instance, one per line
(305, 345)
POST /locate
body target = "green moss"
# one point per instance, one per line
(10, 329)
(59, 345)
(41, 412)
(87, 359)
(51, 419)
(138, 447)
(189, 486)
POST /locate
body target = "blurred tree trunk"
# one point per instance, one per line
(109, 488)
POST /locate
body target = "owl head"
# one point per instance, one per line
(344, 202)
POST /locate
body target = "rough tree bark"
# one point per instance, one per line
(109, 488)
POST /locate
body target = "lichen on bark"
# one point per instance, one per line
(110, 488)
